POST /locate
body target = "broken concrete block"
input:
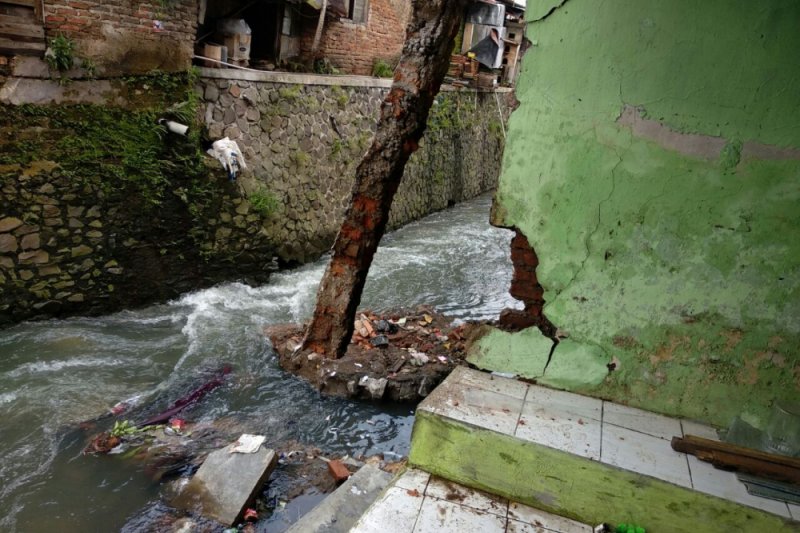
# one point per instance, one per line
(226, 483)
(338, 470)
(341, 510)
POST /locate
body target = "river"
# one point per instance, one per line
(54, 374)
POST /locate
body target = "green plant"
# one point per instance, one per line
(324, 66)
(60, 55)
(340, 95)
(124, 429)
(382, 69)
(290, 93)
(300, 158)
(263, 202)
(336, 148)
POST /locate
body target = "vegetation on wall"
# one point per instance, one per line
(382, 69)
(122, 150)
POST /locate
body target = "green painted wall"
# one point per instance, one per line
(654, 165)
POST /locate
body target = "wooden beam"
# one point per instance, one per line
(26, 3)
(731, 457)
(21, 32)
(320, 24)
(10, 46)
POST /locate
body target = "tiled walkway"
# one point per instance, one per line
(420, 503)
(621, 436)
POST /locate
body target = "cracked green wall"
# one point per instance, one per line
(683, 265)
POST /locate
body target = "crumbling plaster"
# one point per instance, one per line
(653, 166)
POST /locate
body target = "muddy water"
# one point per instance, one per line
(54, 374)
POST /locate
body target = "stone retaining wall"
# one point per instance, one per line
(303, 142)
(84, 242)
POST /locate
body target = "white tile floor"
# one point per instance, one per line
(614, 434)
(420, 503)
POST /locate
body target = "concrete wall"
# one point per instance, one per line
(654, 167)
(126, 37)
(302, 143)
(99, 211)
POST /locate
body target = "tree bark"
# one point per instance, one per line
(404, 113)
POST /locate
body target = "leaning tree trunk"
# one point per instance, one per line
(423, 64)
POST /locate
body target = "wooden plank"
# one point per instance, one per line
(21, 32)
(9, 46)
(26, 3)
(731, 457)
(698, 443)
(18, 13)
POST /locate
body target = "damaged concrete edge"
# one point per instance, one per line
(699, 146)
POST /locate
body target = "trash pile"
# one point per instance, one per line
(397, 356)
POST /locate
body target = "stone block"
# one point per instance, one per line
(339, 512)
(8, 243)
(9, 223)
(37, 257)
(226, 483)
(31, 241)
(80, 251)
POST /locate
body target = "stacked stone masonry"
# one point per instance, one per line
(68, 247)
(302, 143)
(79, 246)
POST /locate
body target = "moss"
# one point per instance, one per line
(264, 202)
(290, 93)
(382, 69)
(300, 158)
(340, 95)
(124, 151)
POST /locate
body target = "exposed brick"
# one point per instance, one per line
(339, 472)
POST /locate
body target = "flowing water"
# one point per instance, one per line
(54, 374)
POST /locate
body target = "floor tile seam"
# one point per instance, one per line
(522, 407)
(743, 504)
(642, 432)
(688, 462)
(460, 504)
(651, 476)
(602, 426)
(419, 512)
(575, 416)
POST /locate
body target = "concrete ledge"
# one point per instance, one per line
(579, 457)
(292, 77)
(338, 512)
(572, 486)
(315, 79)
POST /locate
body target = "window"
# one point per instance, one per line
(357, 10)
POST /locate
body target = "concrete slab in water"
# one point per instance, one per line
(226, 483)
(338, 512)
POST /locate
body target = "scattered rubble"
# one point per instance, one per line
(397, 356)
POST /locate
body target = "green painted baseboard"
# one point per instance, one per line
(572, 486)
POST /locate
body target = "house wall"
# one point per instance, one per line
(654, 168)
(121, 37)
(354, 47)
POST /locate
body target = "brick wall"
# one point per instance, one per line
(127, 36)
(353, 47)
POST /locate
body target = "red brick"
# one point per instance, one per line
(339, 472)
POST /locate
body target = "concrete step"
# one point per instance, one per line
(417, 502)
(339, 511)
(580, 457)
